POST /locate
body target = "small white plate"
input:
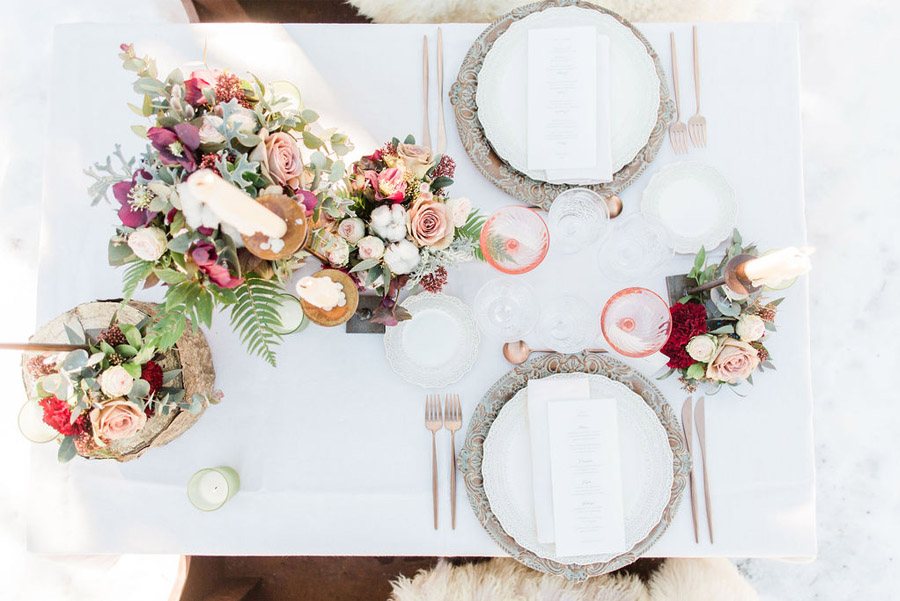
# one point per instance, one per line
(438, 346)
(694, 202)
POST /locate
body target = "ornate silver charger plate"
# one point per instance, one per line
(472, 453)
(533, 192)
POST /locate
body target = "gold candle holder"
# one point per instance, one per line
(734, 278)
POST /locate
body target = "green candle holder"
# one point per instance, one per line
(210, 488)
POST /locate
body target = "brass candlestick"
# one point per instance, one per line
(734, 278)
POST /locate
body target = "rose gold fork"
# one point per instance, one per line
(453, 422)
(678, 133)
(434, 422)
(697, 123)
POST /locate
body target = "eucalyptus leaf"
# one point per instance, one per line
(723, 330)
(170, 375)
(95, 359)
(181, 243)
(67, 450)
(311, 141)
(139, 390)
(365, 264)
(696, 371)
(75, 337)
(126, 350)
(75, 360)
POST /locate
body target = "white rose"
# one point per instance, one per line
(459, 210)
(702, 348)
(210, 130)
(338, 252)
(750, 328)
(371, 247)
(352, 229)
(148, 243)
(389, 222)
(116, 382)
(401, 257)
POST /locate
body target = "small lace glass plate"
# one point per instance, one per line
(438, 346)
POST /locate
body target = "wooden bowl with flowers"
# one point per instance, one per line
(126, 389)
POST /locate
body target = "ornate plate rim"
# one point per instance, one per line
(471, 455)
(513, 182)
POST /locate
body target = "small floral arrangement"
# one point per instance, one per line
(397, 225)
(107, 391)
(252, 136)
(718, 337)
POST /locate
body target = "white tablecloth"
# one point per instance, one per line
(331, 448)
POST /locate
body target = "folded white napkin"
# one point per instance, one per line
(568, 123)
(540, 393)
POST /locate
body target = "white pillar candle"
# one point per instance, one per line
(233, 206)
(322, 292)
(210, 488)
(778, 267)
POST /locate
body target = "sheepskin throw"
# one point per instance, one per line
(507, 580)
(483, 11)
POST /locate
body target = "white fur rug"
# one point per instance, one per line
(476, 11)
(507, 580)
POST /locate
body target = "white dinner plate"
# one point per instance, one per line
(694, 202)
(646, 456)
(502, 96)
(438, 345)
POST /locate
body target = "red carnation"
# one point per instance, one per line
(58, 416)
(153, 375)
(688, 320)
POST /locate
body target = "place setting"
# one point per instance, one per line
(567, 306)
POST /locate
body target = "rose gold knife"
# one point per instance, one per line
(426, 133)
(687, 418)
(700, 422)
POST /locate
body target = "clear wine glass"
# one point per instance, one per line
(636, 248)
(578, 218)
(514, 240)
(506, 308)
(636, 322)
(567, 325)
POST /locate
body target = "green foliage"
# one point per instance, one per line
(471, 230)
(255, 316)
(135, 275)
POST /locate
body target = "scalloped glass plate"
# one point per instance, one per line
(694, 202)
(438, 346)
(647, 472)
(502, 98)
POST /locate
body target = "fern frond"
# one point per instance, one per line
(167, 328)
(135, 274)
(255, 316)
(471, 230)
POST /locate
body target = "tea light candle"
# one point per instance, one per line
(210, 488)
(233, 206)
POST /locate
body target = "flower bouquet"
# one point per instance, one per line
(396, 224)
(718, 337)
(118, 395)
(216, 206)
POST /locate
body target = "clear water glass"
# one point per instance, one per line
(506, 308)
(567, 325)
(636, 322)
(578, 218)
(636, 247)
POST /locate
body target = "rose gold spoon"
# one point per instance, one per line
(518, 351)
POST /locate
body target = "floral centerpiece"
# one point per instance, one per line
(719, 337)
(250, 135)
(397, 225)
(118, 393)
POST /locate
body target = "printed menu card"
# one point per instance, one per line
(586, 473)
(562, 98)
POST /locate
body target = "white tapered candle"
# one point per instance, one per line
(778, 267)
(233, 206)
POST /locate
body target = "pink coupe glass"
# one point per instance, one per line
(636, 322)
(514, 240)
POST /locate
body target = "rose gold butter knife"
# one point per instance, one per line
(687, 418)
(700, 421)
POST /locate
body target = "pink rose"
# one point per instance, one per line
(117, 419)
(283, 159)
(390, 184)
(734, 361)
(430, 224)
(195, 84)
